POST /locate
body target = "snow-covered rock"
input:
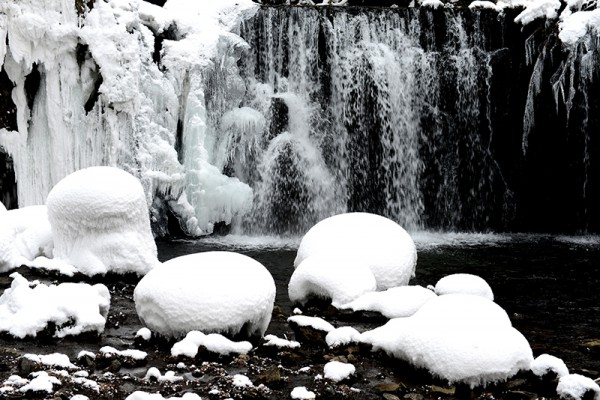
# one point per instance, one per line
(341, 279)
(575, 386)
(313, 322)
(380, 243)
(338, 371)
(213, 342)
(74, 308)
(464, 283)
(301, 393)
(459, 338)
(342, 336)
(100, 222)
(219, 292)
(401, 301)
(545, 363)
(139, 395)
(24, 235)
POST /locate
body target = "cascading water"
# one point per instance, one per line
(366, 111)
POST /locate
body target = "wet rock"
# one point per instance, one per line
(449, 391)
(413, 396)
(309, 335)
(520, 395)
(114, 366)
(389, 396)
(25, 366)
(388, 387)
(271, 377)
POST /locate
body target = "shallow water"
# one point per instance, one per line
(547, 284)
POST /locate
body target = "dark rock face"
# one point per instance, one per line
(8, 121)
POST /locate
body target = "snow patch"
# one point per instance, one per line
(213, 342)
(402, 301)
(301, 393)
(314, 322)
(546, 363)
(338, 371)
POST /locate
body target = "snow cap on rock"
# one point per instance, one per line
(380, 243)
(100, 222)
(212, 292)
(465, 284)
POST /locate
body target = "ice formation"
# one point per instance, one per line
(459, 338)
(105, 97)
(380, 243)
(213, 292)
(465, 284)
(401, 301)
(24, 235)
(338, 371)
(341, 279)
(100, 222)
(575, 387)
(213, 342)
(26, 310)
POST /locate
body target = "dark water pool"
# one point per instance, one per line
(547, 284)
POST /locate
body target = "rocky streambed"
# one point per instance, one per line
(274, 372)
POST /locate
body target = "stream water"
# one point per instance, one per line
(547, 284)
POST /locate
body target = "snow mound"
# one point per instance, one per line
(213, 342)
(26, 310)
(342, 336)
(401, 301)
(301, 393)
(545, 363)
(213, 292)
(575, 386)
(338, 371)
(341, 279)
(272, 340)
(459, 338)
(100, 222)
(25, 234)
(380, 243)
(466, 284)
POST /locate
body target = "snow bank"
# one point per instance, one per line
(546, 363)
(26, 310)
(574, 387)
(219, 292)
(402, 301)
(25, 234)
(213, 342)
(465, 284)
(341, 279)
(459, 338)
(381, 244)
(338, 371)
(100, 222)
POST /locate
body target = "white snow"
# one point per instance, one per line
(144, 333)
(242, 381)
(401, 301)
(314, 322)
(538, 9)
(169, 376)
(139, 395)
(25, 310)
(341, 279)
(219, 292)
(52, 360)
(24, 235)
(435, 4)
(2, 207)
(465, 284)
(574, 26)
(381, 244)
(131, 353)
(301, 393)
(42, 382)
(338, 371)
(79, 397)
(100, 222)
(459, 338)
(342, 336)
(213, 342)
(545, 363)
(84, 353)
(272, 340)
(575, 386)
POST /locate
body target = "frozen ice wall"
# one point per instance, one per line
(96, 88)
